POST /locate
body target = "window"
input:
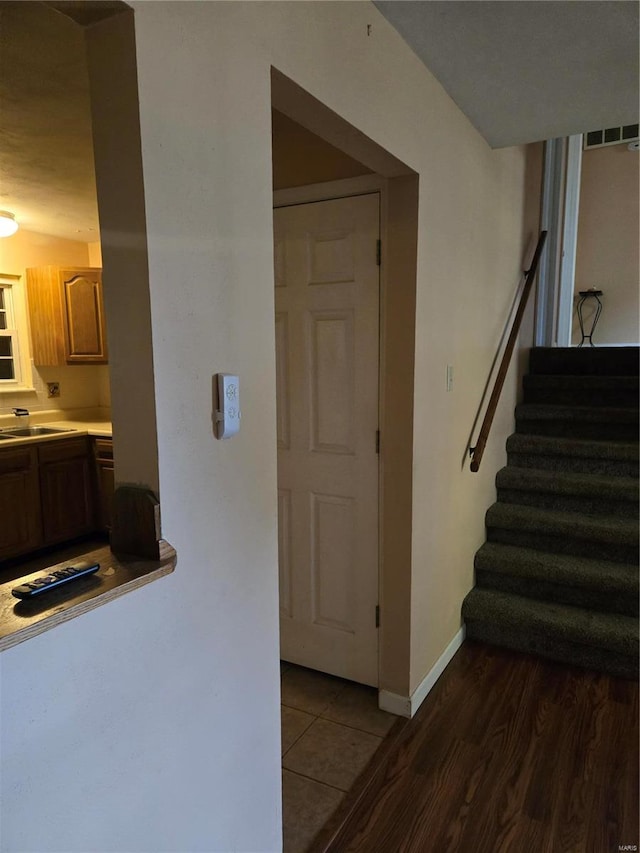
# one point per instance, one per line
(15, 368)
(8, 338)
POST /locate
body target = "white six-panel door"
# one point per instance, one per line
(327, 341)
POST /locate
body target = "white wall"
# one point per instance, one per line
(159, 713)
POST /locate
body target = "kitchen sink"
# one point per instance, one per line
(26, 432)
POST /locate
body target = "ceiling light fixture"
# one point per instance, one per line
(8, 224)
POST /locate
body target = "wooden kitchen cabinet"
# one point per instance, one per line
(20, 517)
(65, 489)
(105, 482)
(66, 313)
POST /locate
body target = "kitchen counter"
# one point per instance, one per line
(21, 620)
(77, 426)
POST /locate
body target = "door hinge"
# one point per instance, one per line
(378, 252)
(377, 615)
(377, 441)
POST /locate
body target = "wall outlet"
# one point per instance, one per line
(53, 389)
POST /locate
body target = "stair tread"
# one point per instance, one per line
(560, 523)
(612, 631)
(558, 446)
(582, 414)
(568, 483)
(562, 569)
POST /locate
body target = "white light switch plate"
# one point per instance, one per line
(449, 377)
(228, 409)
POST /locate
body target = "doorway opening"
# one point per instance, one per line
(319, 155)
(591, 213)
(345, 240)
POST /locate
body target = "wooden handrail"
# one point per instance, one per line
(478, 451)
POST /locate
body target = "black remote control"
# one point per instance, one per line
(55, 579)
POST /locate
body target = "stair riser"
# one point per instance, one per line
(575, 654)
(575, 464)
(578, 429)
(581, 397)
(540, 541)
(586, 361)
(603, 601)
(569, 503)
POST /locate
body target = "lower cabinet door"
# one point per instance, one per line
(105, 482)
(66, 490)
(20, 520)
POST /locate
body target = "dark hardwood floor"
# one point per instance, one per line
(508, 754)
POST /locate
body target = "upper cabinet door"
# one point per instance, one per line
(85, 338)
(66, 314)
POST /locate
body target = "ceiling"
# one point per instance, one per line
(521, 71)
(46, 152)
(528, 70)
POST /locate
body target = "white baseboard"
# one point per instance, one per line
(394, 703)
(406, 706)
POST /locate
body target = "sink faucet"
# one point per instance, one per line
(21, 413)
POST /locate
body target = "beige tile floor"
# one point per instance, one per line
(330, 730)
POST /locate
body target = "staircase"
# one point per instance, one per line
(558, 574)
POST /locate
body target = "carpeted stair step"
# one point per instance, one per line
(598, 537)
(579, 581)
(607, 642)
(585, 361)
(589, 422)
(590, 494)
(553, 453)
(558, 575)
(616, 391)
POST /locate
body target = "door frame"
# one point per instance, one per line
(346, 188)
(569, 241)
(560, 209)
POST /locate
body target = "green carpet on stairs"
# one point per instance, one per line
(558, 575)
